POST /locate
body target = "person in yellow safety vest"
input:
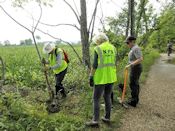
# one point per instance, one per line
(102, 77)
(57, 64)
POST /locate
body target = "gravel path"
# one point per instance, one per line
(156, 110)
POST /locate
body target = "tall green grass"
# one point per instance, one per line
(150, 55)
(29, 113)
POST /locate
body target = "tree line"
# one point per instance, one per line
(137, 18)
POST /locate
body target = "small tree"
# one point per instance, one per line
(22, 42)
(7, 43)
(28, 41)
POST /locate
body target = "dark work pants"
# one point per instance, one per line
(134, 82)
(169, 51)
(106, 90)
(59, 78)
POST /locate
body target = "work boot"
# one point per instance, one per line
(92, 123)
(105, 120)
(131, 103)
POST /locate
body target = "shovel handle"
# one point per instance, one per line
(125, 82)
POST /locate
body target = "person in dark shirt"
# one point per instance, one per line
(135, 59)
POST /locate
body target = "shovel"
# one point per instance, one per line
(121, 100)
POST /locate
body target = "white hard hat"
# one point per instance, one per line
(101, 37)
(48, 47)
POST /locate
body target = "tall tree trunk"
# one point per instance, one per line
(141, 11)
(132, 31)
(146, 21)
(84, 34)
(128, 19)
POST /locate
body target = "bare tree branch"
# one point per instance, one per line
(46, 33)
(93, 15)
(31, 31)
(54, 25)
(41, 12)
(20, 6)
(92, 31)
(78, 19)
(14, 19)
(73, 25)
(33, 24)
(92, 22)
(76, 8)
(51, 93)
(101, 19)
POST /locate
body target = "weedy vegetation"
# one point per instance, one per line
(23, 96)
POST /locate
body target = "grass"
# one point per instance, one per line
(28, 112)
(149, 59)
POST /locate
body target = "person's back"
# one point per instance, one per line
(102, 77)
(105, 72)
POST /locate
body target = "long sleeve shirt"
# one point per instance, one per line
(58, 61)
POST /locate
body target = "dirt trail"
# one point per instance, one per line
(156, 110)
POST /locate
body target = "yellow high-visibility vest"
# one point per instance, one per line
(52, 61)
(106, 70)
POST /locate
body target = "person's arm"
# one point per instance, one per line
(138, 61)
(95, 64)
(139, 58)
(58, 61)
(93, 69)
(44, 61)
(92, 72)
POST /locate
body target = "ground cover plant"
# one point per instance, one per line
(22, 103)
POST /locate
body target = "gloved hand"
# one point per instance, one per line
(46, 68)
(43, 61)
(91, 81)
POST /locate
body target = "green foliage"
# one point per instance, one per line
(118, 24)
(26, 42)
(165, 29)
(20, 112)
(19, 115)
(24, 71)
(22, 66)
(118, 42)
(150, 55)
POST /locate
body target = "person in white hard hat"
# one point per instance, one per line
(57, 64)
